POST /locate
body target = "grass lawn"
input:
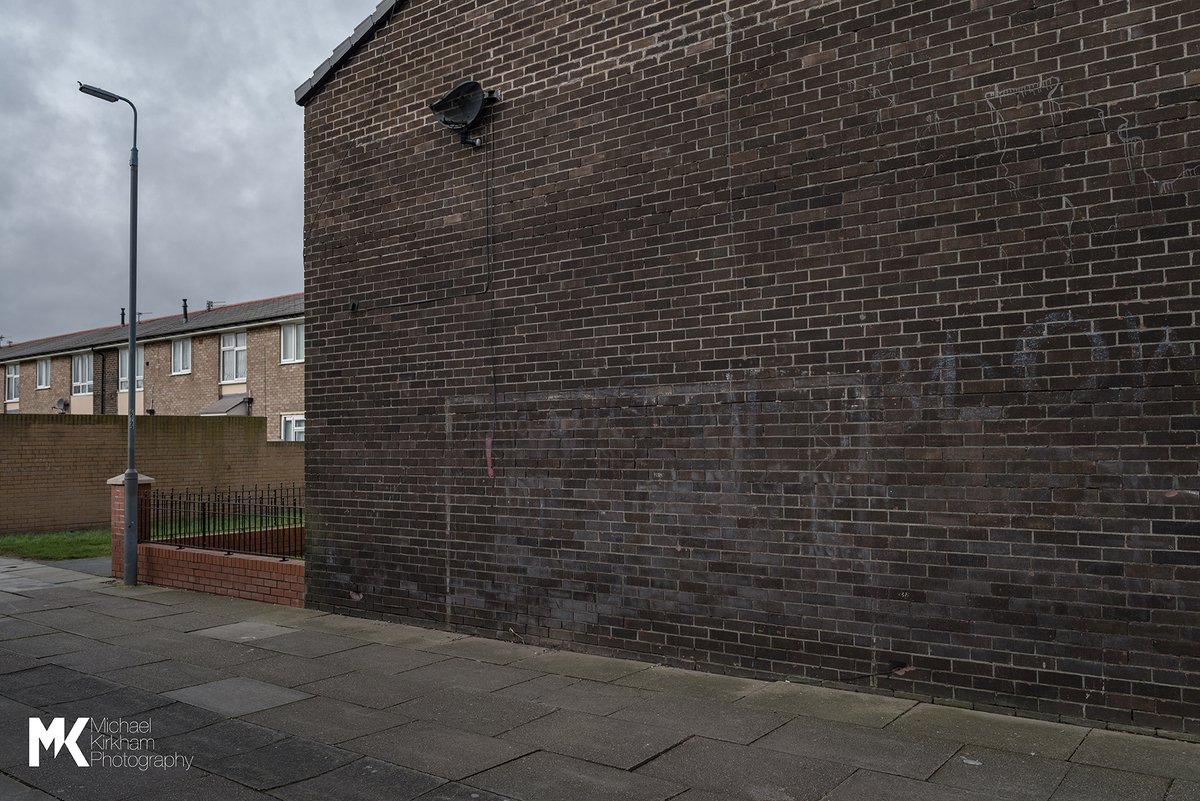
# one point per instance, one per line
(58, 544)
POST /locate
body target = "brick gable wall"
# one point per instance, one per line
(818, 337)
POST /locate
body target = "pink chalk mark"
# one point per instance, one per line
(488, 451)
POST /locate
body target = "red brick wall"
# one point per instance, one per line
(53, 469)
(815, 336)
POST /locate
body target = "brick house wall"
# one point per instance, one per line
(816, 338)
(275, 387)
(187, 393)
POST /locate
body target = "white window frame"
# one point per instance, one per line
(123, 369)
(81, 384)
(12, 382)
(181, 348)
(235, 349)
(284, 420)
(294, 332)
(43, 366)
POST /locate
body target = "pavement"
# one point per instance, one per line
(191, 697)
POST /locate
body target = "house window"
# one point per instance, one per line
(181, 356)
(81, 374)
(233, 358)
(292, 426)
(12, 382)
(139, 369)
(291, 343)
(43, 374)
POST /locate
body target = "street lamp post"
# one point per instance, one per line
(131, 475)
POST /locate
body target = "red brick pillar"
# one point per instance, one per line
(116, 486)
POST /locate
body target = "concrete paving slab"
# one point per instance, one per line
(130, 609)
(138, 591)
(468, 674)
(14, 737)
(289, 671)
(861, 746)
(380, 658)
(283, 615)
(616, 743)
(460, 792)
(164, 675)
(480, 712)
(359, 628)
(13, 628)
(243, 631)
(189, 621)
(24, 605)
(583, 666)
(236, 696)
(48, 644)
(326, 720)
(176, 718)
(1017, 776)
(690, 682)
(61, 692)
(309, 643)
(12, 662)
(498, 652)
(204, 651)
(438, 750)
(715, 720)
(101, 657)
(581, 695)
(124, 702)
(283, 762)
(1020, 735)
(80, 621)
(1184, 791)
(364, 780)
(382, 632)
(866, 785)
(212, 743)
(1155, 756)
(743, 771)
(863, 709)
(1090, 783)
(34, 676)
(205, 787)
(13, 790)
(63, 779)
(552, 777)
(365, 688)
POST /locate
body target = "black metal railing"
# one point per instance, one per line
(267, 521)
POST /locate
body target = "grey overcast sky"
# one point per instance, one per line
(220, 141)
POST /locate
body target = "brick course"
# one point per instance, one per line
(811, 337)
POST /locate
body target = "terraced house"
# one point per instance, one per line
(236, 359)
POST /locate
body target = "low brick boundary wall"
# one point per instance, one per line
(257, 578)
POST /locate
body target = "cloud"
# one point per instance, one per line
(220, 150)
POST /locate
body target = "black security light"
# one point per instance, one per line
(462, 107)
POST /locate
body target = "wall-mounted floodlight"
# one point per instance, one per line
(462, 107)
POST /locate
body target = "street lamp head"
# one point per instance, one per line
(95, 91)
